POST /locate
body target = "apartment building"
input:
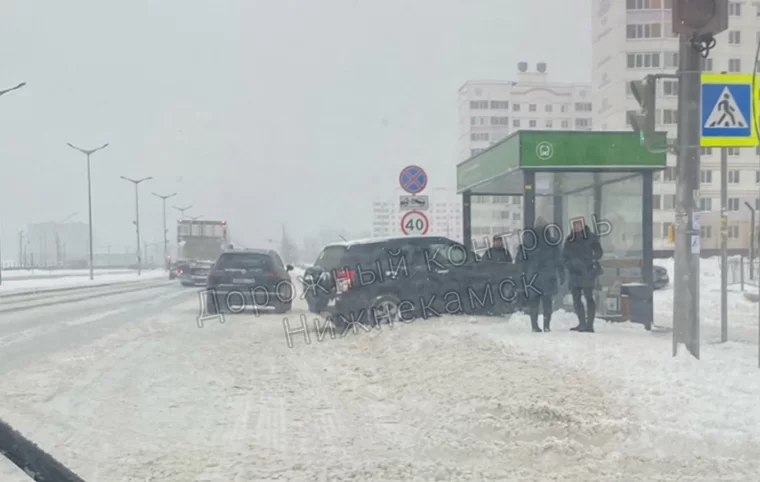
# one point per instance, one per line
(633, 38)
(489, 110)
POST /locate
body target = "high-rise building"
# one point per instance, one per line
(444, 214)
(633, 38)
(490, 110)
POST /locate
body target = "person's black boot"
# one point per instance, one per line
(547, 324)
(589, 326)
(534, 327)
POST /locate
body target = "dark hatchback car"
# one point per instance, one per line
(376, 280)
(249, 278)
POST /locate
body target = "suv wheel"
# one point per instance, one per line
(384, 309)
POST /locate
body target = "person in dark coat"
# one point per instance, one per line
(581, 256)
(541, 264)
(498, 251)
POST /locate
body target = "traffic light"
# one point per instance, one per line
(643, 122)
(700, 17)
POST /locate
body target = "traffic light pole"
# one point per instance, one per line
(686, 276)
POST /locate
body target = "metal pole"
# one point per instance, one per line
(166, 237)
(723, 245)
(752, 247)
(686, 279)
(89, 217)
(21, 249)
(137, 226)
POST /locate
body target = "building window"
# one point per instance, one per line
(734, 37)
(532, 123)
(499, 121)
(564, 108)
(705, 204)
(705, 232)
(757, 177)
(499, 104)
(733, 232)
(532, 108)
(734, 65)
(644, 30)
(583, 123)
(735, 9)
(669, 201)
(583, 107)
(706, 151)
(733, 204)
(707, 64)
(515, 107)
(757, 204)
(656, 201)
(733, 151)
(705, 177)
(670, 116)
(475, 152)
(669, 87)
(516, 216)
(516, 123)
(733, 177)
(548, 107)
(565, 124)
(644, 60)
(669, 174)
(478, 104)
(479, 136)
(671, 59)
(549, 124)
(643, 4)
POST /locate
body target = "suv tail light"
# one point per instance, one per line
(345, 280)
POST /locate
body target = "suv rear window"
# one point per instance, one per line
(331, 257)
(245, 261)
(338, 257)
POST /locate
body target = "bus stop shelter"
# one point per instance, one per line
(602, 177)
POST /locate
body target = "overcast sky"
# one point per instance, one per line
(257, 112)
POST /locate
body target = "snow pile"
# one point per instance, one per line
(12, 285)
(41, 273)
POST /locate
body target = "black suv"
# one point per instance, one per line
(250, 277)
(404, 278)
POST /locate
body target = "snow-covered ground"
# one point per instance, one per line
(11, 285)
(29, 273)
(454, 398)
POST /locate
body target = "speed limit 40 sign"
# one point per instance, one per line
(414, 222)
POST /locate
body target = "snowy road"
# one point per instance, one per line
(133, 390)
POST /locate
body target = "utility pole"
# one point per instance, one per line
(3, 92)
(88, 153)
(723, 244)
(21, 249)
(166, 231)
(696, 23)
(182, 211)
(137, 183)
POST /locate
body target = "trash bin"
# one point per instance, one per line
(637, 303)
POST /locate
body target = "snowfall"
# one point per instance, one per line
(451, 399)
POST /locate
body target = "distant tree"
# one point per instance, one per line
(288, 249)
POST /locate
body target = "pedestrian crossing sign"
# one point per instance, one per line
(729, 111)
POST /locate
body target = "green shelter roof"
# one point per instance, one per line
(491, 171)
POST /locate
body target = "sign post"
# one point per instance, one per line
(415, 223)
(413, 179)
(728, 112)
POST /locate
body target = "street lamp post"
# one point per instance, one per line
(3, 92)
(88, 153)
(182, 211)
(137, 182)
(166, 232)
(194, 218)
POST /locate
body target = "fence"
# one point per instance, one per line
(743, 272)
